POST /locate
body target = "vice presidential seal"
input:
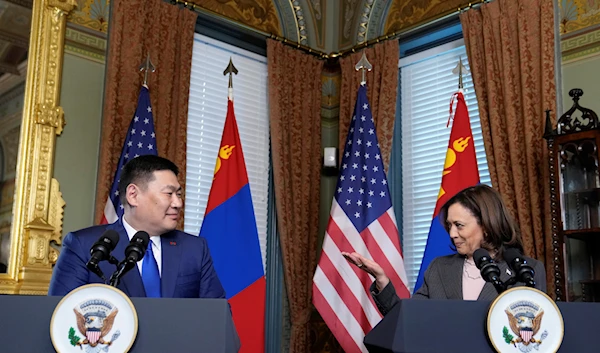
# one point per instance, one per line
(524, 320)
(94, 318)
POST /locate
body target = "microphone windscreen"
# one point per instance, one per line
(479, 256)
(141, 238)
(510, 254)
(113, 238)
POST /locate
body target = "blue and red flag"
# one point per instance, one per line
(140, 140)
(460, 172)
(230, 228)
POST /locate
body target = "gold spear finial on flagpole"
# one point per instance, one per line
(147, 66)
(230, 69)
(459, 70)
(363, 64)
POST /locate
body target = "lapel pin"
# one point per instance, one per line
(172, 243)
(508, 272)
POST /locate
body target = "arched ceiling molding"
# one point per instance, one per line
(287, 20)
(377, 19)
(306, 28)
(363, 15)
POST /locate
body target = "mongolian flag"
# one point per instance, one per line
(460, 172)
(230, 228)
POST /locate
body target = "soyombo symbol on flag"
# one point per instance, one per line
(361, 220)
(230, 228)
(460, 172)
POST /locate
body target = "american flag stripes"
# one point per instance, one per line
(361, 220)
(140, 140)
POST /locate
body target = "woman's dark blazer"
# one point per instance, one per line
(443, 280)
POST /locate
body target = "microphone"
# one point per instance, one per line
(100, 251)
(523, 271)
(134, 252)
(489, 269)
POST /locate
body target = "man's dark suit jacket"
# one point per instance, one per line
(443, 280)
(187, 267)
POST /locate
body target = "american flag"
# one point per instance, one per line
(361, 220)
(140, 140)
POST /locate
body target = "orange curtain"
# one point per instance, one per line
(510, 46)
(382, 90)
(166, 32)
(295, 109)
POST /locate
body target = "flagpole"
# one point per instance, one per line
(230, 69)
(363, 64)
(459, 70)
(146, 66)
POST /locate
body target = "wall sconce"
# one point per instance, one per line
(330, 161)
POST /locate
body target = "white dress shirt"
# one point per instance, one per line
(156, 247)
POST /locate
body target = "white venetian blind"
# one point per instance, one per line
(427, 85)
(206, 118)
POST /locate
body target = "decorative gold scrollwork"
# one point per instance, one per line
(38, 205)
(50, 116)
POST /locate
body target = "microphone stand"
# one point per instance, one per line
(122, 268)
(113, 260)
(96, 269)
(510, 282)
(500, 287)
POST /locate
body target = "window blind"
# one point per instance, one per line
(427, 84)
(206, 118)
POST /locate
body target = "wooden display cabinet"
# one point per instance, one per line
(575, 202)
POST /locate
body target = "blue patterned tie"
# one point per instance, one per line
(150, 274)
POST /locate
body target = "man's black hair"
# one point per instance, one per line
(140, 171)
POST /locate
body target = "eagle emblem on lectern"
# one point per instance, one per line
(525, 320)
(95, 319)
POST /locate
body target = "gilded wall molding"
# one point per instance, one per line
(300, 21)
(37, 221)
(363, 21)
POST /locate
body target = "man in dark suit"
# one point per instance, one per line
(176, 264)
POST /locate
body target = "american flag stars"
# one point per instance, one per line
(362, 186)
(140, 140)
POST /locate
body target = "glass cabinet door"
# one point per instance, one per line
(580, 185)
(580, 196)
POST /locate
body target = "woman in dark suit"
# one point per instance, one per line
(475, 218)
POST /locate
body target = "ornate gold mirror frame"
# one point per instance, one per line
(38, 204)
